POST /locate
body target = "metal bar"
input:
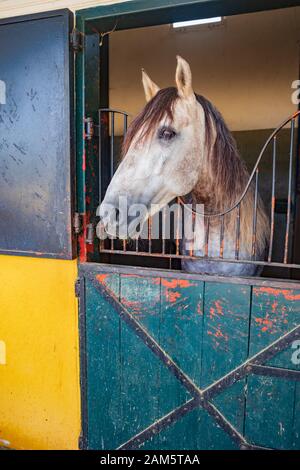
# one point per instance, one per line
(238, 229)
(112, 142)
(192, 249)
(91, 268)
(273, 200)
(100, 156)
(255, 216)
(225, 260)
(125, 124)
(150, 235)
(206, 223)
(288, 216)
(163, 231)
(177, 227)
(268, 371)
(222, 226)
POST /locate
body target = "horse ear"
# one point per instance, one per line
(183, 78)
(150, 88)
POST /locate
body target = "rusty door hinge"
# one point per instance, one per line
(77, 288)
(90, 234)
(76, 40)
(77, 223)
(90, 128)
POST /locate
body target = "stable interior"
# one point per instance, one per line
(247, 76)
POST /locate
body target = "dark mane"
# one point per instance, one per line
(228, 171)
(161, 105)
(224, 164)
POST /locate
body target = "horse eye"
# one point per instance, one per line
(166, 134)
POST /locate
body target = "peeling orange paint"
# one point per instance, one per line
(173, 296)
(266, 323)
(287, 294)
(101, 278)
(176, 283)
(212, 312)
(219, 307)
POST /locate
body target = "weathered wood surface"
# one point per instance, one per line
(207, 329)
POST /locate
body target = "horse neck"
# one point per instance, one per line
(220, 185)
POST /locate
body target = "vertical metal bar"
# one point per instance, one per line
(100, 155)
(207, 224)
(137, 244)
(112, 142)
(125, 124)
(192, 249)
(221, 236)
(288, 216)
(177, 227)
(238, 231)
(273, 200)
(163, 230)
(150, 234)
(255, 215)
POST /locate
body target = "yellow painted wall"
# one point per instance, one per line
(39, 377)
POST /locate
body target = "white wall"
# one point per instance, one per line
(23, 7)
(245, 67)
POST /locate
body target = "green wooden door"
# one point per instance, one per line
(181, 362)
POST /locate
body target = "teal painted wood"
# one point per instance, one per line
(195, 431)
(183, 10)
(122, 361)
(204, 328)
(226, 329)
(140, 368)
(225, 344)
(269, 413)
(296, 423)
(273, 401)
(231, 403)
(182, 323)
(103, 369)
(181, 338)
(274, 313)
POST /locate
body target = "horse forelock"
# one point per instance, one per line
(161, 105)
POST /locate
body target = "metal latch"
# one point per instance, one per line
(76, 39)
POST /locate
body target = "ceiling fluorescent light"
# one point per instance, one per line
(184, 24)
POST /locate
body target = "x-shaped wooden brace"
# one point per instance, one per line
(200, 397)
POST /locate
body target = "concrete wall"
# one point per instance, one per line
(245, 66)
